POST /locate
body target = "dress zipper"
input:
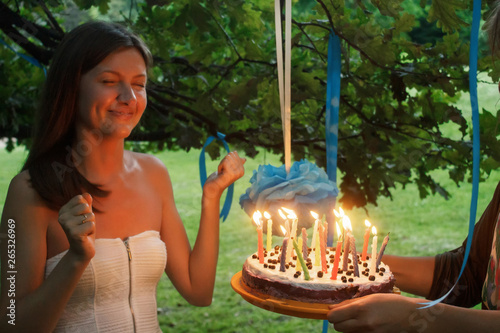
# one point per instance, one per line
(130, 280)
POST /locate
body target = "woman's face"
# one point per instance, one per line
(112, 95)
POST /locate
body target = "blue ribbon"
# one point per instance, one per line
(332, 112)
(332, 120)
(476, 17)
(25, 57)
(203, 174)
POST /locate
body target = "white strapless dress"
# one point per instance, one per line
(117, 291)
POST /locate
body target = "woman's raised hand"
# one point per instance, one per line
(230, 169)
(78, 222)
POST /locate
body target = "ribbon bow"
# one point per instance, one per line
(203, 174)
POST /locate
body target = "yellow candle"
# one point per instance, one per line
(315, 230)
(317, 249)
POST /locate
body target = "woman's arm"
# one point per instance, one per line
(193, 271)
(386, 313)
(38, 302)
(413, 274)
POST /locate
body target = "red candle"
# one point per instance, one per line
(366, 239)
(337, 254)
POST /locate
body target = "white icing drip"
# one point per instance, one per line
(315, 283)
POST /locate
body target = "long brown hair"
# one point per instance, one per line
(52, 170)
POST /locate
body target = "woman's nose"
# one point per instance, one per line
(127, 94)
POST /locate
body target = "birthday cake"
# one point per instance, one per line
(268, 278)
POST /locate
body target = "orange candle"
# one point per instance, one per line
(322, 248)
(260, 245)
(337, 253)
(366, 239)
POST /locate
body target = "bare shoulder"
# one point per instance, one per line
(23, 202)
(149, 163)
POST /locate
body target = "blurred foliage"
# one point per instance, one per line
(404, 64)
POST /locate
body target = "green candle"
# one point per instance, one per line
(301, 260)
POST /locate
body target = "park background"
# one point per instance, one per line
(404, 142)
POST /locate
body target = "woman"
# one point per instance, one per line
(432, 277)
(93, 222)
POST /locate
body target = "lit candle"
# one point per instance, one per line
(287, 224)
(337, 253)
(269, 231)
(288, 254)
(298, 265)
(305, 253)
(341, 215)
(366, 240)
(256, 217)
(291, 215)
(317, 249)
(301, 260)
(322, 249)
(325, 225)
(373, 266)
(316, 239)
(315, 230)
(345, 259)
(283, 251)
(354, 255)
(381, 252)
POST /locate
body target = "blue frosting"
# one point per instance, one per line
(306, 187)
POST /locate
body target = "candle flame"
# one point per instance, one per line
(283, 230)
(256, 217)
(367, 223)
(336, 213)
(315, 215)
(341, 211)
(267, 215)
(346, 222)
(374, 231)
(339, 233)
(291, 213)
(283, 216)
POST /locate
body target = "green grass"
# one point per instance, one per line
(418, 227)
